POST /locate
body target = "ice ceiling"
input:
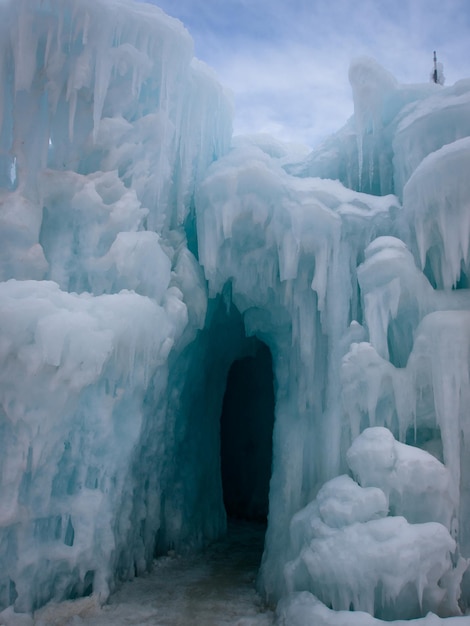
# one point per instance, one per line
(146, 259)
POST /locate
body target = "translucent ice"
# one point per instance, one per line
(436, 204)
(107, 124)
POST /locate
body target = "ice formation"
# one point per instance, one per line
(342, 539)
(141, 255)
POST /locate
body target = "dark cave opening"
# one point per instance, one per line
(246, 431)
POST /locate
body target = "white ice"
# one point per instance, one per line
(304, 609)
(401, 516)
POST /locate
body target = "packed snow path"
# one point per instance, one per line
(215, 588)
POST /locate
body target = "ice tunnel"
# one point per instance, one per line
(220, 420)
(246, 429)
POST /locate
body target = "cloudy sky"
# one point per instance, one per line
(287, 61)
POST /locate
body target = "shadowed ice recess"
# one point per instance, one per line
(201, 332)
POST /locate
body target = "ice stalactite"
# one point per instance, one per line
(107, 126)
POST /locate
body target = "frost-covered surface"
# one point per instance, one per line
(436, 204)
(304, 609)
(393, 129)
(138, 258)
(417, 485)
(382, 546)
(107, 124)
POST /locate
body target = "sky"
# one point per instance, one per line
(286, 61)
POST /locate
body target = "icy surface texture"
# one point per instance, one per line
(289, 247)
(304, 609)
(107, 125)
(352, 292)
(418, 486)
(436, 204)
(353, 557)
(140, 257)
(393, 129)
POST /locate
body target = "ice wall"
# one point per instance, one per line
(393, 128)
(107, 125)
(277, 239)
(362, 299)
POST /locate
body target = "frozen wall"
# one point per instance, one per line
(107, 125)
(393, 128)
(140, 257)
(364, 304)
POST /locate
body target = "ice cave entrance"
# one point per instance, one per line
(246, 433)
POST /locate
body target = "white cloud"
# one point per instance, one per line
(287, 61)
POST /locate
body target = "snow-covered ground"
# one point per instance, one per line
(216, 587)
